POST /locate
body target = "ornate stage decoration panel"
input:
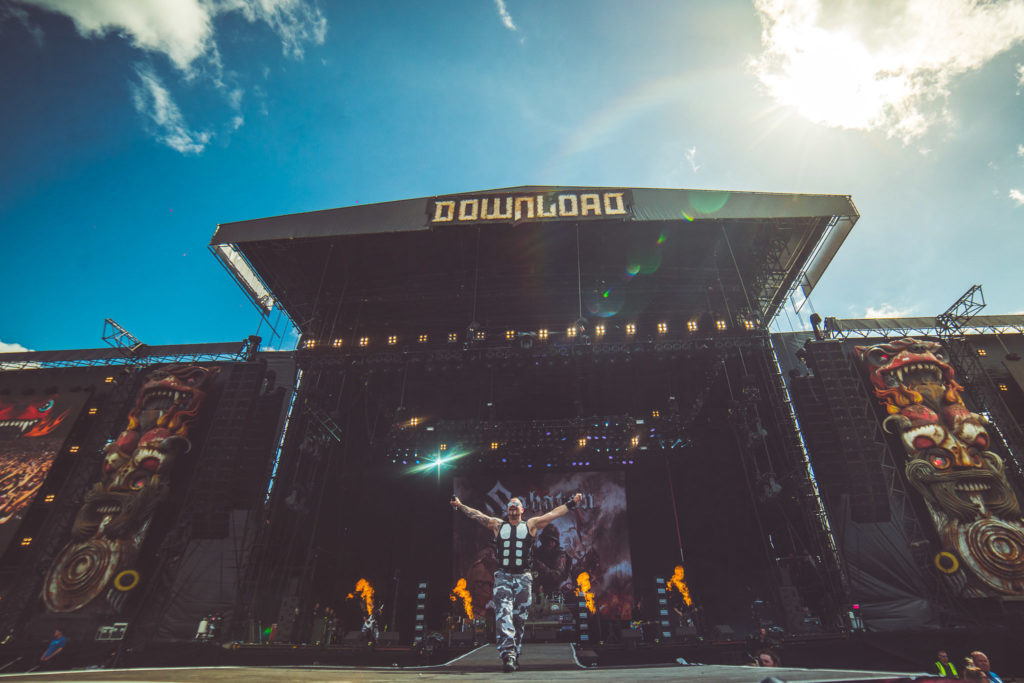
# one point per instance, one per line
(32, 431)
(111, 525)
(592, 539)
(974, 508)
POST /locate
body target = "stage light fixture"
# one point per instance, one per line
(49, 498)
(26, 542)
(308, 343)
(364, 341)
(494, 445)
(662, 327)
(108, 380)
(692, 326)
(635, 441)
(480, 335)
(337, 343)
(599, 330)
(73, 449)
(1003, 387)
(571, 331)
(453, 337)
(630, 328)
(93, 411)
(583, 441)
(542, 334)
(982, 352)
(414, 422)
(443, 447)
(510, 335)
(392, 339)
(749, 324)
(423, 339)
(720, 325)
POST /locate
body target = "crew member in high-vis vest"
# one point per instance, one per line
(944, 667)
(513, 583)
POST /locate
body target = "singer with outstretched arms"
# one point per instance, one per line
(513, 583)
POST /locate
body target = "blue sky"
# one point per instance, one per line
(131, 129)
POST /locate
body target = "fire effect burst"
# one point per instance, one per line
(460, 591)
(583, 581)
(677, 583)
(365, 591)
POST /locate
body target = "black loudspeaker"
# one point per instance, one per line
(389, 638)
(353, 638)
(723, 632)
(545, 635)
(462, 638)
(632, 634)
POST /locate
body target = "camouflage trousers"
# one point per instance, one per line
(513, 594)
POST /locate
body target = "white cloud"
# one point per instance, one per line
(888, 311)
(152, 99)
(183, 30)
(1020, 76)
(506, 18)
(879, 66)
(293, 20)
(691, 156)
(6, 347)
(1017, 196)
(1020, 151)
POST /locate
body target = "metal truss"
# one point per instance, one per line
(475, 351)
(892, 328)
(146, 355)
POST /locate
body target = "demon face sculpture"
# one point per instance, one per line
(110, 527)
(963, 483)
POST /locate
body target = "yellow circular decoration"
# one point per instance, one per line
(946, 562)
(126, 580)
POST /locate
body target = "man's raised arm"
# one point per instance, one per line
(543, 520)
(491, 523)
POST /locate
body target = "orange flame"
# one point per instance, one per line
(365, 591)
(460, 592)
(583, 581)
(677, 583)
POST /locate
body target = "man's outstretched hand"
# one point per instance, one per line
(455, 502)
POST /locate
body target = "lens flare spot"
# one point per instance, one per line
(633, 269)
(708, 201)
(686, 217)
(604, 302)
(662, 239)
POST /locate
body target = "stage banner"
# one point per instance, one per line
(963, 483)
(32, 431)
(592, 539)
(133, 481)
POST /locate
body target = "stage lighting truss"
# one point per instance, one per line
(602, 337)
(612, 441)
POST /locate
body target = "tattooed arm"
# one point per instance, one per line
(491, 523)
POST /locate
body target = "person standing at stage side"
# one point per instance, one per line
(513, 583)
(49, 659)
(767, 658)
(980, 660)
(944, 667)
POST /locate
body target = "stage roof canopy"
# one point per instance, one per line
(535, 257)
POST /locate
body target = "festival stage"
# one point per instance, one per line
(539, 662)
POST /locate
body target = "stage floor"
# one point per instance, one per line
(538, 663)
